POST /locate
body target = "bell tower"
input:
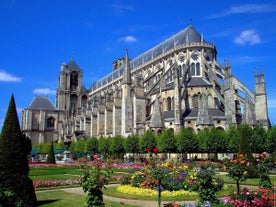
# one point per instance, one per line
(261, 100)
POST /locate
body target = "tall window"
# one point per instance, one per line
(169, 104)
(50, 122)
(195, 69)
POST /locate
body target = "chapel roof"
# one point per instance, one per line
(41, 103)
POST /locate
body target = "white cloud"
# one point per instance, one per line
(5, 77)
(248, 36)
(44, 91)
(128, 39)
(123, 7)
(245, 9)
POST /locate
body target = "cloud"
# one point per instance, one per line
(123, 7)
(128, 39)
(246, 9)
(44, 91)
(5, 77)
(248, 36)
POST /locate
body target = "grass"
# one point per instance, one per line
(249, 181)
(57, 198)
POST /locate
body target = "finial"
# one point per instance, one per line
(191, 21)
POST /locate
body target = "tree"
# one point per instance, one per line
(148, 140)
(216, 142)
(104, 147)
(259, 139)
(233, 140)
(117, 147)
(187, 141)
(167, 142)
(245, 150)
(202, 137)
(92, 146)
(132, 144)
(271, 140)
(14, 168)
(51, 155)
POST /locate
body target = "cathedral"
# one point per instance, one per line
(176, 84)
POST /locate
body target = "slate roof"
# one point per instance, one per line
(198, 82)
(72, 65)
(187, 35)
(192, 114)
(41, 103)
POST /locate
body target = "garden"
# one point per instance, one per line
(197, 183)
(155, 175)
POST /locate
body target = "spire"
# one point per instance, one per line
(204, 118)
(157, 120)
(126, 77)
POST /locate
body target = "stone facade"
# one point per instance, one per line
(177, 84)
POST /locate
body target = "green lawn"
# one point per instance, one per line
(58, 198)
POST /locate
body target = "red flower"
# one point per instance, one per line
(155, 150)
(146, 162)
(148, 149)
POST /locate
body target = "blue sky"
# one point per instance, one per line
(37, 36)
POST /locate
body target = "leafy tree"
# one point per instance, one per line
(233, 139)
(167, 142)
(271, 140)
(187, 141)
(92, 146)
(117, 147)
(51, 155)
(14, 168)
(132, 144)
(259, 139)
(202, 137)
(104, 147)
(42, 148)
(216, 142)
(148, 140)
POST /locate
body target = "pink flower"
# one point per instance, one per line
(95, 157)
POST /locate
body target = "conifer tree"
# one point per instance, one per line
(246, 150)
(51, 155)
(14, 150)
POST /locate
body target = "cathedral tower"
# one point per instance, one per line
(261, 100)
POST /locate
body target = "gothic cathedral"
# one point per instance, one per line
(176, 84)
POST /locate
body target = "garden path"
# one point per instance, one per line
(142, 203)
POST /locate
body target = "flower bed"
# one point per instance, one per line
(151, 192)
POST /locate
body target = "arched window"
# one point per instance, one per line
(169, 104)
(50, 122)
(73, 104)
(198, 69)
(84, 102)
(192, 69)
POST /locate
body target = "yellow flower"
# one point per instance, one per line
(142, 191)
